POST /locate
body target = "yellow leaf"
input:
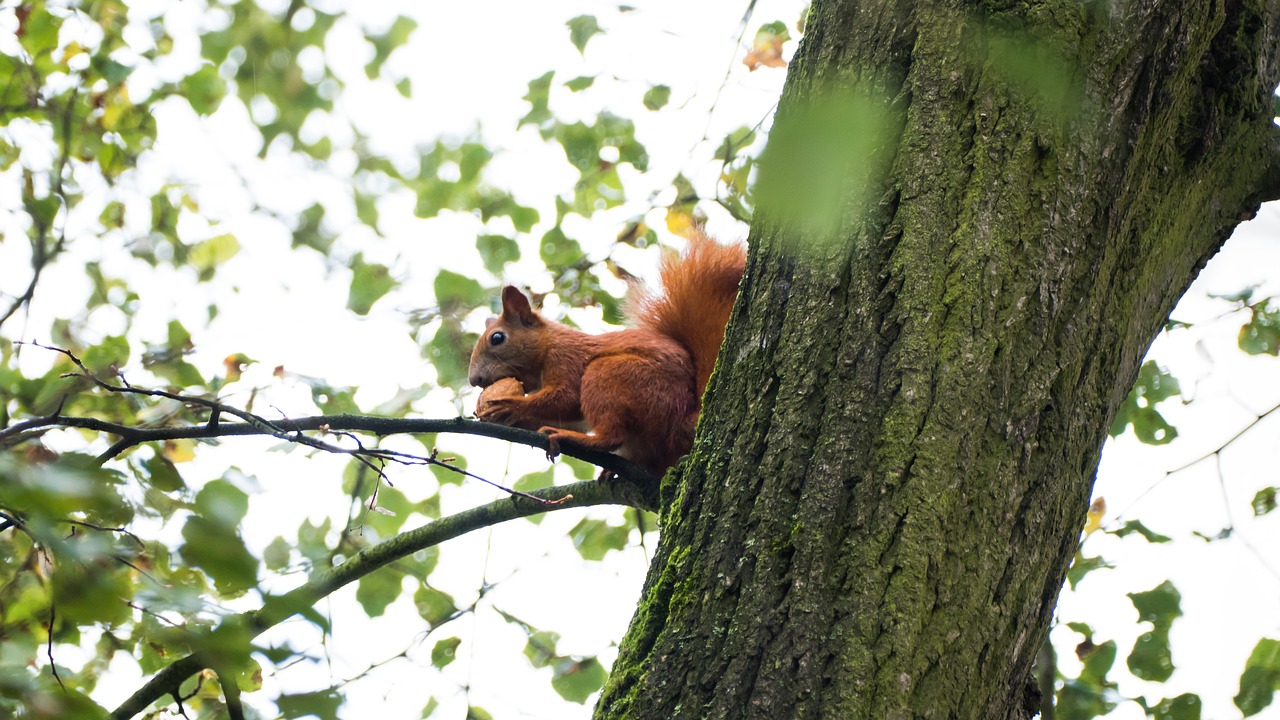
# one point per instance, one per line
(179, 451)
(680, 221)
(1096, 510)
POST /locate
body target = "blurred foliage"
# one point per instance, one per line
(136, 559)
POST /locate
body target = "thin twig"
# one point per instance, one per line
(327, 580)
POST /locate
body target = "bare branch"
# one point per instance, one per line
(291, 430)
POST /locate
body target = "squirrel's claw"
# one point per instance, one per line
(553, 442)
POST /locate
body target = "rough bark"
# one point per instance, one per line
(894, 465)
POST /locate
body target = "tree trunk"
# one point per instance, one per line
(975, 221)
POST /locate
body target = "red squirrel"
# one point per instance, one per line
(636, 391)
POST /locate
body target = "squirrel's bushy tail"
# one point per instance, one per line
(698, 290)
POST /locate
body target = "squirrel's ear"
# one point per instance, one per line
(516, 306)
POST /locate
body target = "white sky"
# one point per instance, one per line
(470, 63)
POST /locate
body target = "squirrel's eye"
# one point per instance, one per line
(497, 338)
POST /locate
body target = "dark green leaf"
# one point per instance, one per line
(1151, 658)
(580, 83)
(1134, 526)
(1158, 606)
(1080, 701)
(1264, 501)
(1097, 663)
(1082, 566)
(1260, 679)
(1183, 707)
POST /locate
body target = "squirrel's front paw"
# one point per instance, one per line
(497, 402)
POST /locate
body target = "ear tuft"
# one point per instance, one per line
(515, 306)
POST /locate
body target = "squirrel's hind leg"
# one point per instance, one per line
(603, 442)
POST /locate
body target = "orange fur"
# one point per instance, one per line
(637, 391)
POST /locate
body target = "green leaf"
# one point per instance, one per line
(1186, 706)
(1264, 501)
(206, 256)
(1082, 566)
(734, 143)
(557, 249)
(580, 83)
(369, 282)
(1151, 658)
(1260, 679)
(277, 554)
(456, 292)
(594, 538)
(321, 704)
(204, 89)
(581, 470)
(656, 97)
(379, 589)
(162, 474)
(581, 29)
(1080, 701)
(449, 351)
(1261, 335)
(1153, 386)
(433, 605)
(1158, 606)
(217, 549)
(222, 502)
(444, 651)
(536, 480)
(540, 648)
(537, 97)
(496, 251)
(429, 709)
(110, 352)
(1098, 661)
(1135, 526)
(576, 680)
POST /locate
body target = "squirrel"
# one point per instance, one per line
(637, 391)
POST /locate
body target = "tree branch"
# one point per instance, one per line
(291, 431)
(327, 580)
